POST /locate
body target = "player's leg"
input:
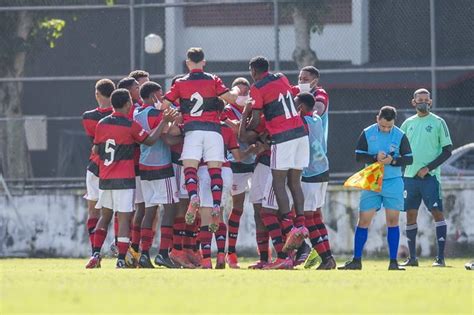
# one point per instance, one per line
(234, 223)
(137, 219)
(205, 237)
(146, 238)
(272, 224)
(412, 203)
(100, 234)
(92, 195)
(213, 155)
(262, 238)
(123, 202)
(393, 237)
(221, 238)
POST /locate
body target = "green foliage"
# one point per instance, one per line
(53, 29)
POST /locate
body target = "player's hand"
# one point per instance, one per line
(248, 107)
(170, 114)
(387, 160)
(423, 172)
(380, 156)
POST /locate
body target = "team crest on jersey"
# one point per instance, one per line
(429, 128)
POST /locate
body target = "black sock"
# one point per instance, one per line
(164, 253)
(145, 252)
(121, 256)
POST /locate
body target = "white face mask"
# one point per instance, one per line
(241, 100)
(304, 87)
(158, 104)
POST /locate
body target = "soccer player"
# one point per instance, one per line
(156, 172)
(315, 179)
(103, 90)
(385, 143)
(431, 143)
(197, 93)
(141, 77)
(272, 95)
(114, 141)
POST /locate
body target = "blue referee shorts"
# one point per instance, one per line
(427, 189)
(391, 196)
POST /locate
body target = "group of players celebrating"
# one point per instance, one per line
(185, 149)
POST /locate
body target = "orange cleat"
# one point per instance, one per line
(179, 257)
(220, 263)
(94, 261)
(206, 263)
(295, 238)
(280, 263)
(232, 261)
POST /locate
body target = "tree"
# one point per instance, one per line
(307, 18)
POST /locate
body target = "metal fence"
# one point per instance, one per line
(370, 53)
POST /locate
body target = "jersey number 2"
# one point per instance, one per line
(288, 105)
(109, 149)
(197, 110)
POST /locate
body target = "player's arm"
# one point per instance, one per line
(361, 153)
(246, 134)
(446, 151)
(406, 156)
(440, 159)
(256, 100)
(168, 116)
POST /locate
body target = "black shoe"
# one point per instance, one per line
(121, 264)
(144, 262)
(328, 264)
(302, 254)
(165, 262)
(394, 265)
(439, 262)
(354, 264)
(410, 262)
(469, 265)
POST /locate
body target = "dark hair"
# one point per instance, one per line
(120, 97)
(149, 87)
(138, 74)
(259, 64)
(307, 99)
(388, 113)
(176, 77)
(105, 87)
(242, 81)
(313, 70)
(195, 54)
(126, 83)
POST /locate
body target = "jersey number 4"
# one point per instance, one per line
(110, 151)
(197, 109)
(288, 105)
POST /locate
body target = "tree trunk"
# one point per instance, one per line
(302, 55)
(14, 151)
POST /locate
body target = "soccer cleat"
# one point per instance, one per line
(295, 238)
(302, 254)
(329, 264)
(131, 258)
(313, 259)
(279, 263)
(220, 262)
(410, 262)
(194, 204)
(439, 262)
(180, 259)
(232, 261)
(394, 265)
(206, 263)
(215, 218)
(94, 261)
(144, 262)
(259, 264)
(121, 264)
(469, 265)
(193, 257)
(354, 264)
(165, 262)
(114, 249)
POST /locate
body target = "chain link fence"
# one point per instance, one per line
(370, 53)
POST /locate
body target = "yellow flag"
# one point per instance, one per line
(370, 178)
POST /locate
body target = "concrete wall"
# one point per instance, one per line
(53, 224)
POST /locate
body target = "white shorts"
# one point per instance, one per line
(314, 195)
(119, 200)
(160, 191)
(269, 199)
(205, 193)
(138, 190)
(292, 154)
(180, 182)
(259, 179)
(240, 183)
(92, 186)
(207, 145)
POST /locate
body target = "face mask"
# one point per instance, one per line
(422, 107)
(241, 100)
(304, 87)
(158, 104)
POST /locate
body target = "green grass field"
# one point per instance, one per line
(64, 286)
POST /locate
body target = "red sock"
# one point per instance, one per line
(270, 220)
(205, 238)
(318, 221)
(146, 240)
(99, 238)
(189, 236)
(178, 233)
(286, 223)
(314, 235)
(262, 245)
(166, 241)
(220, 236)
(191, 181)
(122, 244)
(299, 221)
(216, 184)
(234, 222)
(135, 236)
(196, 229)
(91, 223)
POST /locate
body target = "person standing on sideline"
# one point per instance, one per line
(431, 143)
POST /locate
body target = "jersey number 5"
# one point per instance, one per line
(288, 105)
(109, 149)
(197, 110)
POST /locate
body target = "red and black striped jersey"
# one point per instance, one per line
(116, 136)
(273, 95)
(230, 141)
(89, 122)
(197, 94)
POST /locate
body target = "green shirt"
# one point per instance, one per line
(427, 136)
